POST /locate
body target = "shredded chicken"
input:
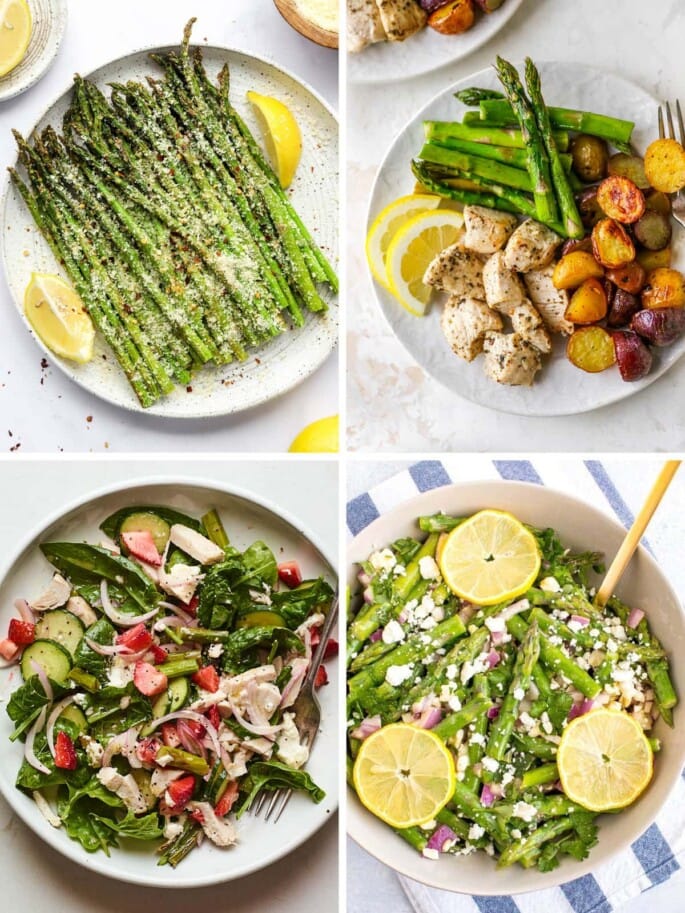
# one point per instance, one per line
(219, 830)
(56, 595)
(199, 547)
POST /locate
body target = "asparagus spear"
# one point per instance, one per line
(613, 129)
(486, 198)
(478, 133)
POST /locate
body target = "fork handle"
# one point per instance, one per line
(321, 646)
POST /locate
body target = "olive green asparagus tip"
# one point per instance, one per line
(186, 35)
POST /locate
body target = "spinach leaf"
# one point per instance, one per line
(273, 775)
(260, 566)
(107, 717)
(241, 646)
(112, 525)
(102, 632)
(294, 606)
(218, 601)
(91, 789)
(145, 827)
(25, 703)
(83, 824)
(28, 778)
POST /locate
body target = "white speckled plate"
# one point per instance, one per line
(559, 389)
(246, 517)
(425, 51)
(270, 370)
(49, 23)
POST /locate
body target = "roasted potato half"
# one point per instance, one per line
(665, 289)
(588, 207)
(665, 165)
(590, 157)
(658, 202)
(660, 326)
(591, 349)
(621, 199)
(623, 307)
(632, 355)
(453, 18)
(611, 244)
(573, 269)
(631, 277)
(653, 230)
(631, 167)
(588, 303)
(654, 259)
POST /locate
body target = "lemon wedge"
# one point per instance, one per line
(604, 760)
(58, 317)
(411, 250)
(490, 558)
(16, 26)
(281, 135)
(404, 775)
(385, 227)
(319, 437)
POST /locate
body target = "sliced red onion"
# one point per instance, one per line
(493, 713)
(522, 605)
(267, 731)
(440, 838)
(580, 709)
(44, 680)
(634, 618)
(493, 659)
(52, 719)
(294, 684)
(107, 649)
(363, 578)
(124, 621)
(192, 715)
(367, 727)
(376, 636)
(113, 747)
(189, 740)
(185, 617)
(430, 718)
(24, 609)
(29, 753)
(487, 797)
(581, 620)
(170, 621)
(368, 594)
(134, 657)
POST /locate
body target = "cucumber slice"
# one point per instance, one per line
(261, 618)
(75, 715)
(61, 626)
(53, 659)
(113, 525)
(169, 701)
(151, 523)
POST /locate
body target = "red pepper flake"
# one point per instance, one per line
(89, 418)
(189, 389)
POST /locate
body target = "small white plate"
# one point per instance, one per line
(390, 61)
(560, 388)
(246, 517)
(49, 23)
(271, 369)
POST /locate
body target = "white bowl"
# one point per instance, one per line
(580, 527)
(246, 518)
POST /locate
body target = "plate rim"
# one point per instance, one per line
(61, 12)
(63, 364)
(90, 498)
(632, 389)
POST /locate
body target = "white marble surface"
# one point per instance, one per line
(392, 403)
(43, 410)
(664, 534)
(39, 880)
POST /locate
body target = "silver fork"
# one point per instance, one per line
(677, 199)
(307, 718)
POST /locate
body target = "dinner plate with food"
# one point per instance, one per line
(534, 264)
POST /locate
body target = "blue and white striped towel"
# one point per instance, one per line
(618, 488)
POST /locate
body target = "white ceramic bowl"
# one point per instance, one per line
(581, 527)
(246, 517)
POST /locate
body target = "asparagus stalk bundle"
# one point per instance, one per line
(171, 224)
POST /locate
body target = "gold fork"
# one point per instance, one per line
(677, 199)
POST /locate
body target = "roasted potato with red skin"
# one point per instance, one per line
(453, 18)
(573, 269)
(621, 199)
(660, 326)
(653, 230)
(622, 308)
(665, 288)
(631, 277)
(573, 244)
(590, 156)
(588, 303)
(657, 201)
(489, 6)
(611, 244)
(654, 259)
(591, 349)
(632, 355)
(665, 165)
(631, 167)
(588, 207)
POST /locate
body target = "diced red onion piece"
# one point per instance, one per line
(493, 659)
(634, 618)
(580, 709)
(42, 677)
(580, 619)
(587, 706)
(29, 753)
(440, 837)
(402, 617)
(368, 594)
(376, 636)
(119, 618)
(430, 718)
(367, 727)
(522, 605)
(363, 578)
(497, 637)
(24, 609)
(487, 797)
(493, 713)
(52, 719)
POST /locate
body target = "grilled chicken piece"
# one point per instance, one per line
(503, 288)
(528, 323)
(550, 302)
(401, 18)
(530, 247)
(364, 25)
(487, 230)
(464, 323)
(457, 271)
(510, 359)
(199, 547)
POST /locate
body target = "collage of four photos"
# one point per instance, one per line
(342, 336)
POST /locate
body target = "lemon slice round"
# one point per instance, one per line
(319, 437)
(16, 26)
(57, 316)
(281, 135)
(489, 558)
(404, 775)
(385, 227)
(604, 759)
(411, 250)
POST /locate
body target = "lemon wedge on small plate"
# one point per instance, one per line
(58, 318)
(281, 135)
(16, 27)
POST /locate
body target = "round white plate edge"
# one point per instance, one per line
(59, 25)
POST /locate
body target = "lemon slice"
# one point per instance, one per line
(490, 558)
(404, 775)
(56, 314)
(16, 25)
(319, 437)
(411, 250)
(386, 225)
(281, 135)
(604, 760)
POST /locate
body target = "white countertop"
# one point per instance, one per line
(43, 410)
(392, 403)
(39, 880)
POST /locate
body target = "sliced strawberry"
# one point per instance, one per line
(141, 545)
(207, 678)
(191, 607)
(332, 648)
(214, 716)
(148, 680)
(136, 638)
(65, 753)
(321, 677)
(21, 632)
(314, 637)
(147, 749)
(170, 735)
(159, 654)
(8, 649)
(180, 792)
(227, 800)
(197, 729)
(289, 572)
